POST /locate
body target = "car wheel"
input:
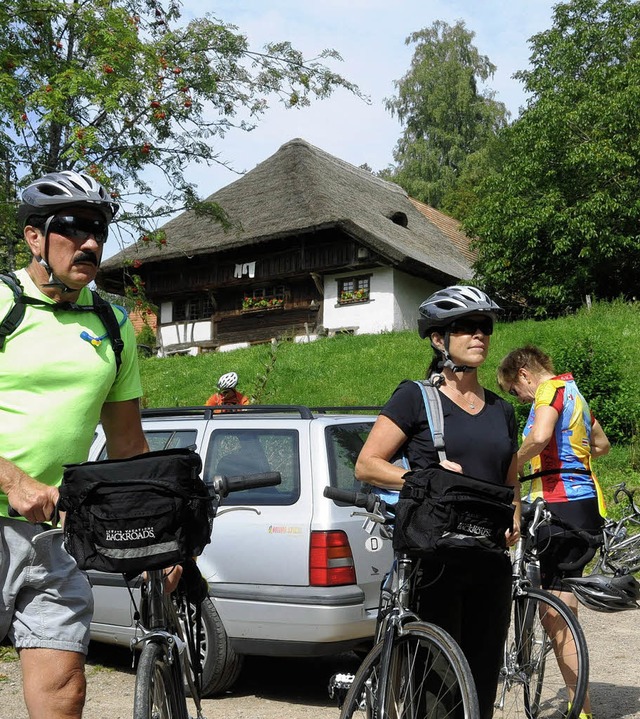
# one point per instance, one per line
(221, 666)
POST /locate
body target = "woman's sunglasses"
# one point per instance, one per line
(79, 228)
(469, 325)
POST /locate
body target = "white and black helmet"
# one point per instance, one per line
(58, 190)
(228, 381)
(606, 594)
(448, 304)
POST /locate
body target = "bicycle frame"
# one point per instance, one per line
(395, 592)
(164, 628)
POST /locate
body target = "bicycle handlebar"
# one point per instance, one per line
(54, 518)
(223, 485)
(368, 501)
(622, 489)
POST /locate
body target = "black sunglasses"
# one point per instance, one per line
(469, 325)
(79, 228)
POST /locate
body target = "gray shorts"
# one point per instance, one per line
(46, 600)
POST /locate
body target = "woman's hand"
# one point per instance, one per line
(451, 466)
(512, 535)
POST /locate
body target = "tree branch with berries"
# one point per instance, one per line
(122, 89)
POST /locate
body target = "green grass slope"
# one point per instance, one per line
(603, 343)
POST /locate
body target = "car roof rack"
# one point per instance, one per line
(207, 412)
(360, 409)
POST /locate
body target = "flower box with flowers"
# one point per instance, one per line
(349, 298)
(261, 304)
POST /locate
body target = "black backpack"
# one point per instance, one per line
(100, 306)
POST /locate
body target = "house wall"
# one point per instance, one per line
(393, 302)
(409, 293)
(370, 317)
(185, 333)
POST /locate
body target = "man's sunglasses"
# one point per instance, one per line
(79, 228)
(469, 325)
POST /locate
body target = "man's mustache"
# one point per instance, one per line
(86, 257)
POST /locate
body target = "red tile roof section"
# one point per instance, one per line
(449, 226)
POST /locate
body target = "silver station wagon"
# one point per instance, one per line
(290, 572)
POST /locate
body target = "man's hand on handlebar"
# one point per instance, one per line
(33, 500)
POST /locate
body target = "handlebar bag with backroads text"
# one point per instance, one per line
(129, 515)
(440, 511)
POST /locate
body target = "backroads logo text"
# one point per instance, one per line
(129, 535)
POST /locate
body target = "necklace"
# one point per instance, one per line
(471, 403)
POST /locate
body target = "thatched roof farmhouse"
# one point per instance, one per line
(316, 246)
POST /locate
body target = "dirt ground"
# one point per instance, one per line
(297, 688)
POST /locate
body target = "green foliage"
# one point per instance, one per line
(447, 119)
(599, 346)
(146, 337)
(557, 218)
(119, 87)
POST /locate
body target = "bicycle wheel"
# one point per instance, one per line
(428, 677)
(158, 692)
(533, 683)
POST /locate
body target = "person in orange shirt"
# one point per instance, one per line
(227, 392)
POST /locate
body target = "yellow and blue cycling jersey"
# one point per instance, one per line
(569, 447)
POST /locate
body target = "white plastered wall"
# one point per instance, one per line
(394, 298)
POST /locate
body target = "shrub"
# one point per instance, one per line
(146, 337)
(600, 380)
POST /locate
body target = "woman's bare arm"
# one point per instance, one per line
(373, 465)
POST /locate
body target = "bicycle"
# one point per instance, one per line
(415, 669)
(170, 660)
(619, 551)
(532, 682)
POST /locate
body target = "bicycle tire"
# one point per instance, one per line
(158, 690)
(532, 685)
(444, 688)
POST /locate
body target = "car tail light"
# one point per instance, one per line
(330, 560)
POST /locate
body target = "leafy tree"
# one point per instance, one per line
(121, 89)
(447, 118)
(559, 218)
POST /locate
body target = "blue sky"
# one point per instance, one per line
(369, 35)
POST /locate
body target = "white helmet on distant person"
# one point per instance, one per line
(228, 381)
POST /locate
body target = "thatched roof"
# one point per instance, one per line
(302, 189)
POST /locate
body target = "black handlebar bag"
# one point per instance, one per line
(129, 515)
(440, 512)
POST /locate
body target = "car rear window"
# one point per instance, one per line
(344, 442)
(251, 451)
(163, 439)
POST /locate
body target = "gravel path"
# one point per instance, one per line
(296, 689)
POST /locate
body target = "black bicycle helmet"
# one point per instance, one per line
(57, 190)
(446, 305)
(606, 594)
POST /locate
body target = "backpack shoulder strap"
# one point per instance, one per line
(15, 315)
(435, 417)
(106, 313)
(101, 307)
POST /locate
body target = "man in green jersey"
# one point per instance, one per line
(59, 376)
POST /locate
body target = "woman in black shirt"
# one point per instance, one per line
(468, 596)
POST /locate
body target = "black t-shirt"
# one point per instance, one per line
(483, 444)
